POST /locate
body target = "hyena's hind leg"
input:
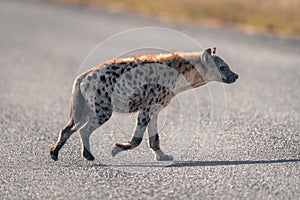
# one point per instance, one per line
(64, 134)
(95, 121)
(154, 141)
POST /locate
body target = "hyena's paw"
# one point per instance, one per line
(164, 158)
(115, 151)
(160, 156)
(121, 146)
(87, 155)
(54, 154)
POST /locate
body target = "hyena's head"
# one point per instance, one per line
(215, 68)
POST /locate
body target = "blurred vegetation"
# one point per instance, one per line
(272, 16)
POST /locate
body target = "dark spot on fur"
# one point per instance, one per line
(133, 64)
(150, 103)
(87, 86)
(115, 74)
(102, 78)
(105, 108)
(146, 62)
(114, 67)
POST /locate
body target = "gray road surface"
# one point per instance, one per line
(41, 48)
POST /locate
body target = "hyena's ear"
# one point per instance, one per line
(214, 50)
(207, 54)
(207, 57)
(208, 51)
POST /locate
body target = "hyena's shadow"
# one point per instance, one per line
(229, 162)
(177, 164)
(153, 164)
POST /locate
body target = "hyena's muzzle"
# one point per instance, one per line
(229, 76)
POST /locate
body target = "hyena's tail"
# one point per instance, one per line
(78, 112)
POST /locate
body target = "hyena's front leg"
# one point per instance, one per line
(142, 123)
(154, 141)
(85, 133)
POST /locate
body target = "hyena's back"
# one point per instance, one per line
(126, 86)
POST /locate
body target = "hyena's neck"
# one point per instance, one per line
(189, 67)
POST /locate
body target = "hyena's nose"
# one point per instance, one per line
(236, 76)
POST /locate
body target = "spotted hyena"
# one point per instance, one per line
(143, 84)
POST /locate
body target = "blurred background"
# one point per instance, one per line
(280, 17)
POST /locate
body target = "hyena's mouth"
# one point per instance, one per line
(229, 80)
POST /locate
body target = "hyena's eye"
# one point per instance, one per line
(223, 68)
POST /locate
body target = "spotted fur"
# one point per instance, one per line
(144, 84)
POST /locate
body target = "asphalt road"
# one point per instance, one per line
(256, 157)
